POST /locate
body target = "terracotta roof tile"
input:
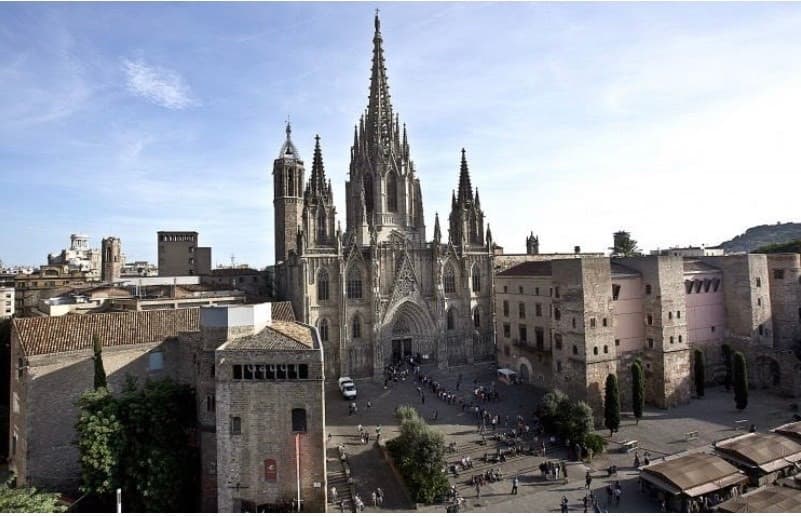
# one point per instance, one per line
(281, 335)
(283, 311)
(72, 332)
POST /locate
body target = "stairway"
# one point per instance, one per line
(339, 480)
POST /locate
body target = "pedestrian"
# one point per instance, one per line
(610, 494)
(366, 437)
(478, 491)
(341, 506)
(618, 493)
(436, 413)
(563, 506)
(334, 494)
(586, 502)
(378, 429)
(543, 448)
(329, 437)
(380, 494)
(369, 404)
(587, 480)
(374, 499)
(514, 485)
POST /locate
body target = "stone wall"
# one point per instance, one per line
(785, 298)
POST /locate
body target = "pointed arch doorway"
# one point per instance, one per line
(410, 331)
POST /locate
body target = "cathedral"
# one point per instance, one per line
(379, 291)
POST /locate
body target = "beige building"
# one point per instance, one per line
(51, 366)
(568, 323)
(46, 282)
(179, 255)
(78, 257)
(7, 297)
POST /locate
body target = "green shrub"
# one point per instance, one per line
(612, 404)
(595, 443)
(637, 390)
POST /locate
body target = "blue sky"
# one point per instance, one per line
(678, 122)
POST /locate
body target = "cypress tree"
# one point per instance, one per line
(698, 360)
(100, 372)
(637, 390)
(612, 404)
(726, 349)
(740, 381)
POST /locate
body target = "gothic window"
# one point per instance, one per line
(323, 328)
(291, 189)
(449, 280)
(476, 318)
(298, 420)
(506, 307)
(322, 234)
(615, 291)
(355, 283)
(368, 193)
(450, 319)
(356, 327)
(392, 192)
(322, 285)
(521, 310)
(476, 279)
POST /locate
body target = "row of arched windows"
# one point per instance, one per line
(354, 285)
(449, 279)
(450, 318)
(355, 328)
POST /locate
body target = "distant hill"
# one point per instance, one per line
(787, 247)
(761, 236)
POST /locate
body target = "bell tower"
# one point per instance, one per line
(287, 198)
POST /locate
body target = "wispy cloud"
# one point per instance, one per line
(161, 86)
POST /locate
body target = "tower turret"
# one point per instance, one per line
(466, 218)
(288, 175)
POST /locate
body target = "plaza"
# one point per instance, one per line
(694, 426)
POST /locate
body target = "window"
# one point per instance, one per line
(559, 366)
(520, 289)
(354, 283)
(678, 315)
(298, 420)
(506, 289)
(557, 341)
(556, 291)
(20, 368)
(604, 322)
(356, 327)
(236, 425)
(449, 281)
(574, 322)
(592, 323)
(778, 274)
(688, 285)
(671, 340)
(506, 308)
(213, 370)
(761, 330)
(575, 350)
(450, 318)
(322, 285)
(392, 192)
(536, 291)
(595, 350)
(506, 351)
(615, 291)
(323, 328)
(303, 371)
(758, 282)
(650, 342)
(523, 333)
(647, 288)
(476, 318)
(211, 403)
(476, 279)
(155, 361)
(670, 315)
(759, 302)
(237, 372)
(557, 314)
(507, 330)
(539, 335)
(713, 329)
(617, 342)
(650, 319)
(538, 309)
(521, 310)
(679, 338)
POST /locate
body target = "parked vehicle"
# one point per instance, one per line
(347, 388)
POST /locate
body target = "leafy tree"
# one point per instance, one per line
(581, 422)
(727, 361)
(637, 390)
(548, 410)
(101, 440)
(740, 381)
(698, 365)
(100, 372)
(28, 500)
(595, 443)
(565, 418)
(624, 245)
(419, 452)
(612, 404)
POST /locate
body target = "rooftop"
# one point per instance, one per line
(693, 474)
(280, 335)
(693, 265)
(533, 268)
(768, 451)
(619, 269)
(771, 499)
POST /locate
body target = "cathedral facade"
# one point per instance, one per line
(379, 291)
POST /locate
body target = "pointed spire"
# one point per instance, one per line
(489, 236)
(317, 180)
(288, 150)
(437, 231)
(453, 199)
(478, 201)
(379, 108)
(465, 190)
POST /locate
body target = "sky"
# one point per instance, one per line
(677, 122)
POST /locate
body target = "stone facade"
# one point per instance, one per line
(179, 255)
(379, 291)
(111, 259)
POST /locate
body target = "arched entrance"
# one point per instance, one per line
(410, 331)
(524, 373)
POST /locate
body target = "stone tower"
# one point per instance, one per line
(319, 213)
(466, 219)
(287, 198)
(532, 244)
(111, 259)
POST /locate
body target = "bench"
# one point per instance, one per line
(630, 445)
(692, 435)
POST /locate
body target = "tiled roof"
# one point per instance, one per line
(74, 332)
(280, 335)
(533, 268)
(792, 429)
(771, 499)
(759, 448)
(692, 470)
(282, 311)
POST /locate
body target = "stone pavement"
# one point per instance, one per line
(661, 432)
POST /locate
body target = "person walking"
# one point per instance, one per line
(334, 494)
(515, 483)
(374, 499)
(478, 492)
(341, 506)
(587, 480)
(563, 505)
(380, 494)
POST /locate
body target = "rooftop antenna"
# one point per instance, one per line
(233, 260)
